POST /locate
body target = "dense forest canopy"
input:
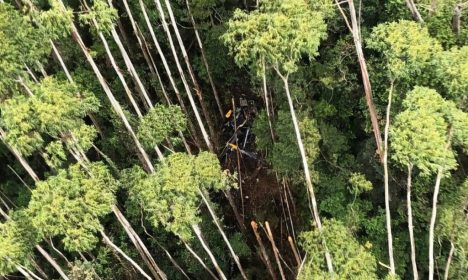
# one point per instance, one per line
(225, 139)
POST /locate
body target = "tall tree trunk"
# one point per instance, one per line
(198, 233)
(388, 217)
(19, 157)
(183, 78)
(414, 11)
(365, 77)
(167, 69)
(263, 251)
(267, 102)
(198, 90)
(205, 61)
(136, 240)
(449, 261)
(119, 73)
(52, 262)
(440, 173)
(410, 222)
(221, 231)
(202, 263)
(116, 248)
(117, 108)
(275, 250)
(305, 165)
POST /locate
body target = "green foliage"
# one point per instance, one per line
(54, 23)
(70, 204)
(17, 240)
(170, 197)
(452, 72)
(359, 184)
(103, 14)
(55, 108)
(350, 259)
(406, 46)
(279, 33)
(421, 133)
(20, 44)
(160, 123)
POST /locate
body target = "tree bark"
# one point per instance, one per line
(275, 250)
(198, 233)
(440, 173)
(267, 102)
(198, 89)
(107, 241)
(414, 11)
(365, 78)
(305, 165)
(410, 223)
(449, 261)
(263, 250)
(221, 231)
(136, 240)
(116, 106)
(205, 61)
(388, 217)
(168, 70)
(202, 263)
(183, 78)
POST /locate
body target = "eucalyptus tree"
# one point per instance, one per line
(168, 71)
(279, 33)
(407, 50)
(171, 196)
(182, 74)
(59, 6)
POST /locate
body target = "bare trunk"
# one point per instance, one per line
(275, 250)
(221, 231)
(432, 223)
(305, 165)
(107, 240)
(116, 106)
(232, 203)
(202, 263)
(205, 61)
(19, 157)
(182, 76)
(263, 250)
(166, 68)
(440, 173)
(294, 249)
(144, 253)
(410, 223)
(267, 102)
(456, 19)
(449, 261)
(386, 185)
(414, 11)
(365, 78)
(52, 262)
(198, 233)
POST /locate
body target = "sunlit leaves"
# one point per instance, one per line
(102, 13)
(421, 133)
(70, 204)
(280, 32)
(406, 46)
(159, 123)
(170, 197)
(351, 260)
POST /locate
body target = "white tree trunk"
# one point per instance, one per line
(305, 165)
(202, 263)
(198, 89)
(410, 223)
(116, 248)
(205, 61)
(198, 233)
(388, 217)
(182, 76)
(449, 261)
(432, 223)
(221, 231)
(117, 108)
